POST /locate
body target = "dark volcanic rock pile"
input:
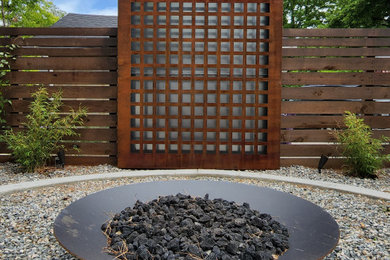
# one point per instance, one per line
(182, 227)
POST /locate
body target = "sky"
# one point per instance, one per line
(101, 7)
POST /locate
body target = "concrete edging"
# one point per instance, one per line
(15, 187)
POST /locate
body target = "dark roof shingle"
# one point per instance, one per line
(87, 20)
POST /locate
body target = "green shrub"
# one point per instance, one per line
(362, 151)
(43, 131)
(5, 57)
(3, 102)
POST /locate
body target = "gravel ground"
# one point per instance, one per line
(26, 218)
(380, 184)
(10, 173)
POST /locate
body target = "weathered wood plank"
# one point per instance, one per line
(329, 52)
(85, 148)
(92, 106)
(315, 122)
(101, 120)
(306, 136)
(338, 93)
(60, 42)
(311, 122)
(341, 78)
(315, 150)
(318, 135)
(62, 77)
(87, 134)
(92, 134)
(90, 120)
(362, 42)
(308, 150)
(4, 158)
(90, 160)
(336, 32)
(77, 160)
(4, 148)
(106, 92)
(64, 63)
(376, 64)
(335, 107)
(91, 148)
(66, 52)
(104, 31)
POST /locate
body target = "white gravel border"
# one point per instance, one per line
(10, 188)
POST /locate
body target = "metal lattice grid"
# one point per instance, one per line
(199, 82)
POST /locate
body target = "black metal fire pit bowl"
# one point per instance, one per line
(313, 232)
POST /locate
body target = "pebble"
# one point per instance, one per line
(336, 176)
(12, 173)
(27, 217)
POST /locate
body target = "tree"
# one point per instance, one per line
(305, 13)
(360, 13)
(29, 13)
(336, 13)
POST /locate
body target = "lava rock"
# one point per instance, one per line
(207, 242)
(232, 248)
(174, 244)
(183, 227)
(239, 222)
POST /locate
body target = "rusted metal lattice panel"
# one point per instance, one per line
(199, 84)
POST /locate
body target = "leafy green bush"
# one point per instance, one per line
(5, 57)
(362, 151)
(3, 102)
(44, 130)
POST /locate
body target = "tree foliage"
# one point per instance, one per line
(29, 13)
(336, 13)
(305, 13)
(360, 13)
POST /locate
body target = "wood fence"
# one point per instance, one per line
(82, 63)
(348, 69)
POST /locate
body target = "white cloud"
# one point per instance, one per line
(69, 6)
(105, 11)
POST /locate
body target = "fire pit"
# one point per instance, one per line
(312, 232)
(189, 228)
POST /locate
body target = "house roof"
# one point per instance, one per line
(87, 20)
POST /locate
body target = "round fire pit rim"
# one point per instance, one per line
(180, 185)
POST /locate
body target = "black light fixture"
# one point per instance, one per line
(60, 160)
(322, 162)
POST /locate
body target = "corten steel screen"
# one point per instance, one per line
(199, 84)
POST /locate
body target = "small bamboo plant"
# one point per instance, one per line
(363, 153)
(43, 130)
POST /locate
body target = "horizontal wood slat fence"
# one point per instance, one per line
(324, 61)
(82, 63)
